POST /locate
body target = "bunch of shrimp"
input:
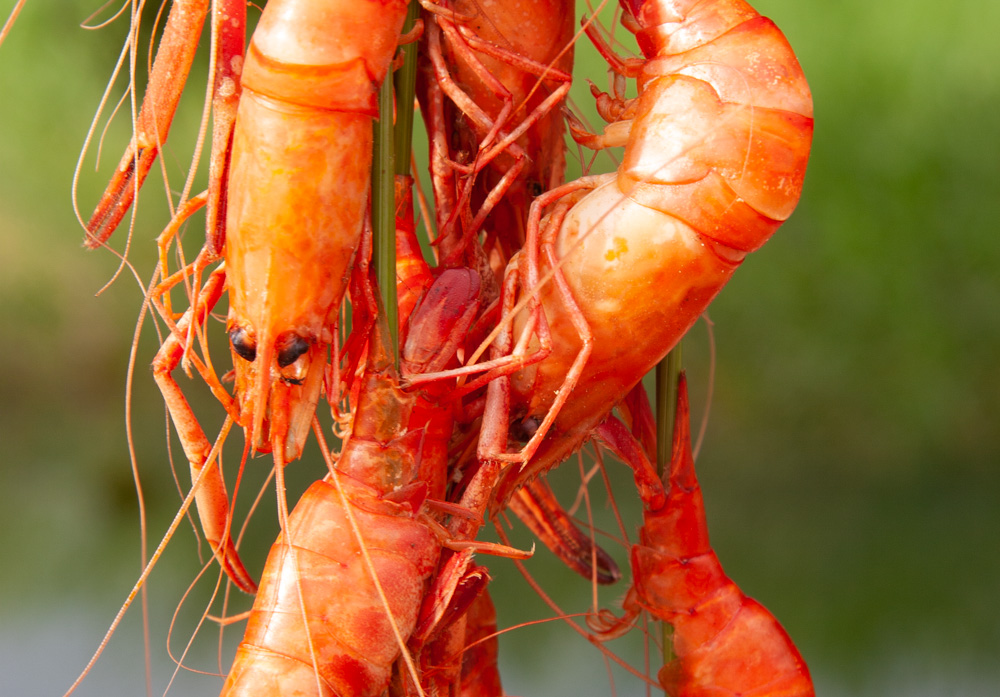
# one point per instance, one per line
(364, 588)
(491, 88)
(604, 285)
(361, 579)
(287, 147)
(611, 278)
(288, 201)
(715, 150)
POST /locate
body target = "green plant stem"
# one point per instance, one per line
(667, 374)
(405, 81)
(392, 143)
(384, 214)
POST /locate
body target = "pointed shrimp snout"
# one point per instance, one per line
(278, 382)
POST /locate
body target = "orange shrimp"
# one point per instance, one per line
(716, 145)
(343, 585)
(724, 643)
(297, 199)
(297, 183)
(504, 68)
(296, 205)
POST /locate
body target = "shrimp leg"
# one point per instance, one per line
(210, 498)
(167, 80)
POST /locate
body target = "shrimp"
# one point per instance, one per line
(716, 145)
(505, 70)
(297, 192)
(723, 641)
(344, 582)
(443, 314)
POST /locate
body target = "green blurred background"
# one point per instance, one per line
(850, 461)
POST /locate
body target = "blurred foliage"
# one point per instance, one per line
(850, 459)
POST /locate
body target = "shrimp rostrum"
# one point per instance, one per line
(716, 145)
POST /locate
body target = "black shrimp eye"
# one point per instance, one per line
(535, 188)
(245, 348)
(290, 346)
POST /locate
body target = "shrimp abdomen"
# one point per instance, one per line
(348, 646)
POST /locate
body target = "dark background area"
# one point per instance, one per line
(850, 459)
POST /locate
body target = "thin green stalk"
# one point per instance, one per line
(405, 81)
(384, 214)
(667, 374)
(391, 157)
